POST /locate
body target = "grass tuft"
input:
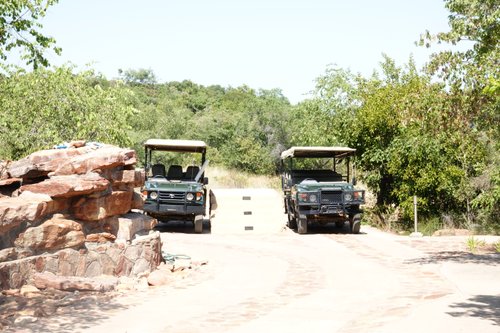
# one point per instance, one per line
(473, 244)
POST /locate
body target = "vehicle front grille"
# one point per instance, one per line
(173, 197)
(331, 197)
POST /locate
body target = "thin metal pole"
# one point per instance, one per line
(415, 211)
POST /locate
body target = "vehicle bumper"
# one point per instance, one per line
(324, 210)
(169, 209)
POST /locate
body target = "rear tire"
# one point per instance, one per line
(302, 224)
(292, 222)
(198, 224)
(355, 223)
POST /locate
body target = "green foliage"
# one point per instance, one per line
(19, 29)
(46, 107)
(416, 135)
(429, 226)
(244, 128)
(431, 133)
(413, 137)
(139, 76)
(497, 247)
(473, 244)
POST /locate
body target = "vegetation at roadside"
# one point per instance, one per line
(430, 132)
(473, 244)
(497, 246)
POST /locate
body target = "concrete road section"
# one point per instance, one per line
(326, 281)
(247, 211)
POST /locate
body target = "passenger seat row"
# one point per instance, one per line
(175, 172)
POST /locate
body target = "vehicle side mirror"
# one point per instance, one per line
(205, 181)
(354, 181)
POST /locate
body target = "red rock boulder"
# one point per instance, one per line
(94, 209)
(54, 234)
(69, 186)
(107, 157)
(27, 207)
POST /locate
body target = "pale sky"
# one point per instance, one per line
(270, 44)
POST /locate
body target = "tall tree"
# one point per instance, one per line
(473, 80)
(20, 29)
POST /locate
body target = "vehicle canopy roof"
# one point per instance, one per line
(319, 152)
(184, 146)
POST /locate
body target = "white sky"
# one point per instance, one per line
(282, 44)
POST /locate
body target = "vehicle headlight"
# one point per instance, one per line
(348, 197)
(153, 195)
(313, 198)
(190, 197)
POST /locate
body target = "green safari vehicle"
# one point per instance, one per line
(320, 195)
(176, 192)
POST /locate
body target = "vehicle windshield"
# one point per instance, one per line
(171, 158)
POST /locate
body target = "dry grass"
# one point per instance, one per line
(224, 178)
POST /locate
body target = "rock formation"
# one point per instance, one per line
(67, 212)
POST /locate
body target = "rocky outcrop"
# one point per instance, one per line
(69, 186)
(69, 283)
(104, 158)
(71, 161)
(3, 169)
(94, 209)
(42, 162)
(73, 215)
(53, 234)
(142, 255)
(25, 209)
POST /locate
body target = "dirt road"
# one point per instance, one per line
(327, 281)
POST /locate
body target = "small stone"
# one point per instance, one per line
(142, 284)
(29, 290)
(22, 320)
(159, 277)
(11, 292)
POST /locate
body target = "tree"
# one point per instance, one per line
(472, 77)
(138, 76)
(19, 29)
(45, 107)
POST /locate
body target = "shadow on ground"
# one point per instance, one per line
(56, 311)
(480, 306)
(331, 228)
(183, 227)
(492, 259)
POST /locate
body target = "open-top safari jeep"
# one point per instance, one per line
(173, 192)
(322, 194)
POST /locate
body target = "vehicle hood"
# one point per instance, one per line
(172, 186)
(316, 186)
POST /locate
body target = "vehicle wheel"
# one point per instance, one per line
(302, 224)
(292, 223)
(339, 224)
(198, 224)
(355, 223)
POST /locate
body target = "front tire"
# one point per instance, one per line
(355, 223)
(198, 224)
(302, 224)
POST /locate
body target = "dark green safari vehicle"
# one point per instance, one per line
(176, 192)
(321, 194)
